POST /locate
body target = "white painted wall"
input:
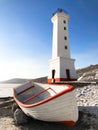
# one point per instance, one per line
(58, 49)
(66, 63)
(60, 65)
(54, 64)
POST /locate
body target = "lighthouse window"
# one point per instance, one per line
(64, 21)
(66, 47)
(64, 28)
(65, 38)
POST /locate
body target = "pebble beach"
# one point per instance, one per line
(87, 102)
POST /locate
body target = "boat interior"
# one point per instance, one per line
(35, 92)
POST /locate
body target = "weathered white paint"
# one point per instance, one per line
(61, 59)
(64, 106)
(64, 109)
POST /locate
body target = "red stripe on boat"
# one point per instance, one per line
(70, 88)
(70, 123)
(28, 99)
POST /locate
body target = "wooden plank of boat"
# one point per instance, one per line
(25, 90)
(47, 102)
(28, 99)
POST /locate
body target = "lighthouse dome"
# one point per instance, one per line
(60, 10)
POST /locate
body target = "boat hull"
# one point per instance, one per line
(61, 108)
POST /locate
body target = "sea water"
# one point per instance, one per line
(6, 90)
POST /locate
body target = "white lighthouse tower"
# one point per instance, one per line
(61, 67)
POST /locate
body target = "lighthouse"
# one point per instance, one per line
(61, 65)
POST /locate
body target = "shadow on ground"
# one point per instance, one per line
(87, 121)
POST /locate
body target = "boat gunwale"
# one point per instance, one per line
(69, 89)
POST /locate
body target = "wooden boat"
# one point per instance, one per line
(47, 102)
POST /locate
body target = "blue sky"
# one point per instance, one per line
(26, 35)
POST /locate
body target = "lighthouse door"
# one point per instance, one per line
(68, 74)
(53, 76)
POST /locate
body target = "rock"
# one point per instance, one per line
(87, 95)
(88, 120)
(96, 76)
(14, 107)
(20, 117)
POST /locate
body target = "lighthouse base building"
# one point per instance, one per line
(61, 69)
(61, 66)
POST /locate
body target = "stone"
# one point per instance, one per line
(88, 120)
(20, 117)
(96, 76)
(14, 107)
